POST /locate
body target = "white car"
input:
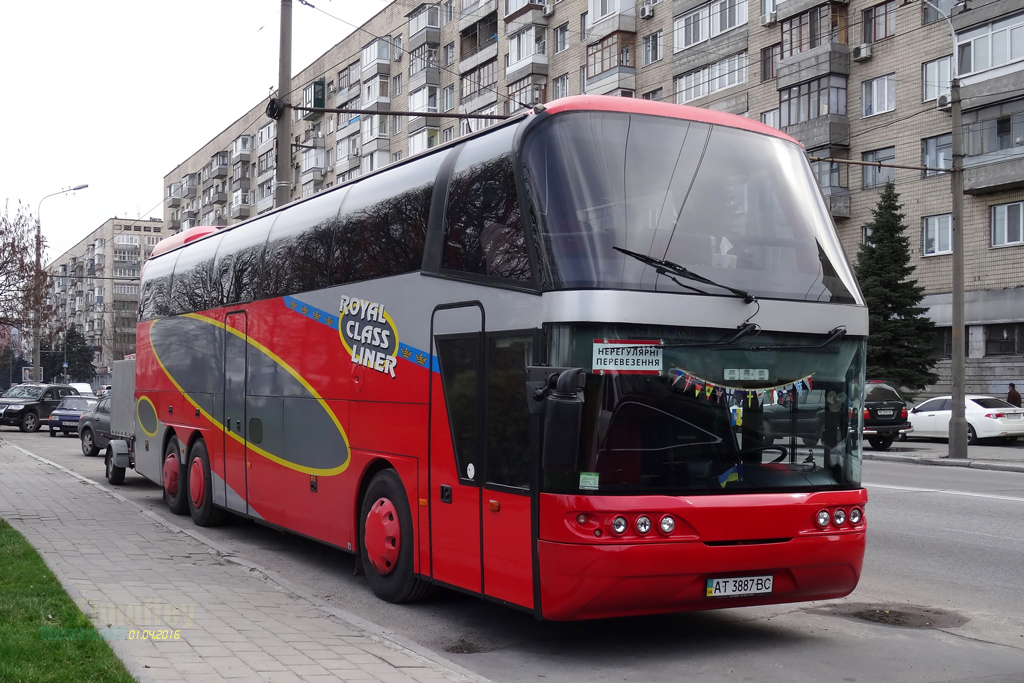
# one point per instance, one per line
(987, 418)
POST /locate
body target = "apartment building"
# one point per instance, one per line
(95, 287)
(856, 80)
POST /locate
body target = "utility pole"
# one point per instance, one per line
(283, 172)
(958, 421)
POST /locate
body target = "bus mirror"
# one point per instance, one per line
(563, 415)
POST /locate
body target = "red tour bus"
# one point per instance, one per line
(530, 365)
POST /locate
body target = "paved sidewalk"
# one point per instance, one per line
(126, 567)
(1005, 458)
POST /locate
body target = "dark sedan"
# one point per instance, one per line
(94, 427)
(65, 416)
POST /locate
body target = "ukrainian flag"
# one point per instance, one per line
(734, 473)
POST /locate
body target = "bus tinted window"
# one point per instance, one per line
(459, 358)
(155, 290)
(508, 436)
(196, 283)
(240, 263)
(738, 207)
(483, 224)
(383, 223)
(298, 253)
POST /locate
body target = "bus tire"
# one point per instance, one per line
(386, 543)
(175, 482)
(200, 487)
(115, 474)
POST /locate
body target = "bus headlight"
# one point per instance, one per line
(823, 518)
(643, 524)
(668, 524)
(619, 525)
(856, 516)
(839, 517)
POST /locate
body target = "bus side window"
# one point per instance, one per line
(239, 262)
(508, 436)
(298, 254)
(483, 223)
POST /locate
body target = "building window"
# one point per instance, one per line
(583, 80)
(561, 37)
(721, 75)
(652, 48)
(560, 86)
(819, 26)
(449, 134)
(449, 54)
(396, 124)
(942, 342)
(708, 21)
(826, 173)
(936, 78)
(481, 79)
(655, 95)
(422, 58)
(808, 101)
(424, 99)
(396, 44)
(613, 51)
(429, 16)
(603, 7)
(423, 140)
(376, 88)
(770, 118)
(524, 44)
(937, 152)
(449, 97)
(941, 10)
(396, 85)
(937, 234)
(1003, 340)
(992, 45)
(378, 50)
(397, 156)
(1006, 224)
(994, 135)
(525, 92)
(770, 57)
(447, 12)
(875, 176)
(880, 22)
(879, 95)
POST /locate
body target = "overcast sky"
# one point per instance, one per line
(116, 93)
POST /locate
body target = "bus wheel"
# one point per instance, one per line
(115, 474)
(200, 488)
(175, 485)
(386, 542)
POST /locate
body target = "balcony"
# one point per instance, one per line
(173, 224)
(833, 58)
(537, 63)
(474, 12)
(824, 131)
(219, 165)
(189, 190)
(219, 198)
(239, 184)
(995, 171)
(265, 204)
(613, 23)
(531, 14)
(837, 199)
(174, 200)
(484, 53)
(240, 210)
(791, 8)
(346, 164)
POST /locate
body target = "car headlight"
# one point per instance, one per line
(15, 409)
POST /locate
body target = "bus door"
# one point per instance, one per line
(235, 362)
(480, 457)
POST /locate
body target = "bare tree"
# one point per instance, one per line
(20, 287)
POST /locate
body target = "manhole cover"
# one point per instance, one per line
(903, 616)
(463, 647)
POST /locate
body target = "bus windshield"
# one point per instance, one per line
(738, 207)
(712, 420)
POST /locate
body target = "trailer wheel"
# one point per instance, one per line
(386, 541)
(175, 483)
(115, 475)
(200, 487)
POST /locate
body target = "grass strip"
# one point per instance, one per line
(44, 636)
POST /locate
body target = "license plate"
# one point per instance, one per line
(742, 585)
(885, 413)
(1013, 416)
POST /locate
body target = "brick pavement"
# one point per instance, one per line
(128, 568)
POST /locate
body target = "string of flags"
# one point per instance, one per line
(748, 397)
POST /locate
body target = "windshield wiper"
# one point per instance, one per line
(669, 268)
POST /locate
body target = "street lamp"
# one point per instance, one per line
(37, 367)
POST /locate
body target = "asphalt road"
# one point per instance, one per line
(939, 600)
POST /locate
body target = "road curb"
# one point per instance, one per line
(947, 462)
(375, 631)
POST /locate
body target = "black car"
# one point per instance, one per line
(94, 427)
(802, 418)
(26, 406)
(64, 417)
(885, 414)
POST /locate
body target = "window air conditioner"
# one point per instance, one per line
(646, 12)
(549, 9)
(397, 56)
(943, 103)
(861, 52)
(357, 152)
(769, 18)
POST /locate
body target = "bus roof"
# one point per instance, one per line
(183, 237)
(654, 108)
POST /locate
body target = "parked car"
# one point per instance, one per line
(65, 416)
(83, 388)
(94, 427)
(27, 405)
(804, 420)
(885, 414)
(988, 417)
(104, 390)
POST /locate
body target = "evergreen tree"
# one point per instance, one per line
(80, 367)
(900, 335)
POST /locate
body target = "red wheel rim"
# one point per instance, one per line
(196, 482)
(171, 475)
(383, 536)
